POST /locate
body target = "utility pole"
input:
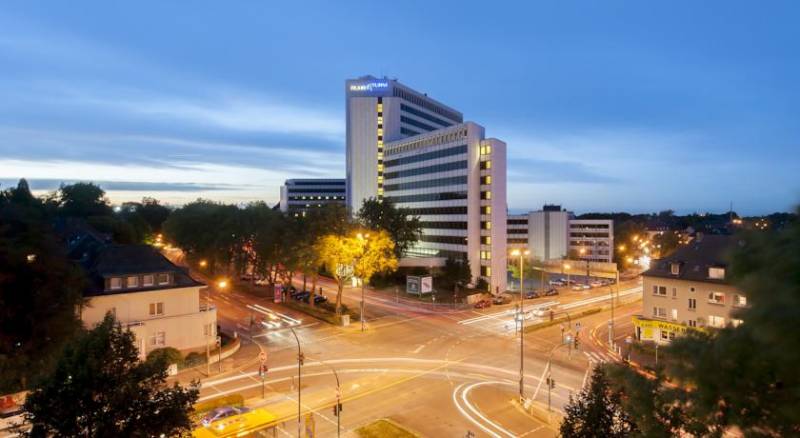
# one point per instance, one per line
(362, 305)
(299, 376)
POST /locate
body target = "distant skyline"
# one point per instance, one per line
(612, 106)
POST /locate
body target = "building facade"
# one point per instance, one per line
(689, 290)
(380, 111)
(454, 180)
(300, 195)
(553, 234)
(150, 296)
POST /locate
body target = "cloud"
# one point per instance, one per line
(45, 184)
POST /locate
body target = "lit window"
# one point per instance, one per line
(486, 179)
(486, 209)
(716, 321)
(158, 339)
(486, 195)
(486, 149)
(380, 167)
(380, 131)
(380, 179)
(148, 280)
(133, 282)
(659, 312)
(380, 107)
(486, 225)
(115, 283)
(716, 298)
(736, 322)
(675, 268)
(486, 240)
(486, 164)
(716, 273)
(739, 300)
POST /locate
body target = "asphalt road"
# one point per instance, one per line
(438, 371)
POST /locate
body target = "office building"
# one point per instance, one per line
(379, 111)
(689, 290)
(407, 147)
(454, 180)
(299, 195)
(553, 233)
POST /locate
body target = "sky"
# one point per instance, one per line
(605, 106)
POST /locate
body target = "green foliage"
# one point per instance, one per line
(596, 411)
(454, 273)
(482, 285)
(38, 297)
(194, 359)
(167, 355)
(740, 378)
(99, 388)
(82, 200)
(383, 215)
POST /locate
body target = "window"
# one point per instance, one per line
(158, 339)
(486, 164)
(739, 300)
(208, 329)
(486, 240)
(156, 309)
(115, 283)
(660, 290)
(486, 209)
(692, 323)
(692, 304)
(148, 280)
(163, 278)
(716, 273)
(736, 322)
(486, 195)
(659, 312)
(486, 255)
(675, 268)
(133, 282)
(674, 314)
(716, 298)
(486, 225)
(486, 179)
(716, 321)
(486, 271)
(674, 292)
(665, 335)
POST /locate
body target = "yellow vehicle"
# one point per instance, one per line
(237, 425)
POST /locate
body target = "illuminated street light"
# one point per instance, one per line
(222, 284)
(621, 248)
(203, 263)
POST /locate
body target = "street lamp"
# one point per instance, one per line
(203, 263)
(299, 377)
(364, 238)
(566, 268)
(582, 253)
(520, 254)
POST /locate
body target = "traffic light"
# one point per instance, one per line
(301, 358)
(576, 342)
(337, 409)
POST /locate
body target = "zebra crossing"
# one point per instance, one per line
(599, 357)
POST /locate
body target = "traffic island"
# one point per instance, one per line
(384, 428)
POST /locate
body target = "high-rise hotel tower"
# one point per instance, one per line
(406, 147)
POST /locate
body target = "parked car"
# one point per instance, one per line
(557, 282)
(482, 304)
(501, 299)
(596, 283)
(223, 412)
(550, 292)
(532, 294)
(317, 298)
(302, 296)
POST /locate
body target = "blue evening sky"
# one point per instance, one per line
(607, 105)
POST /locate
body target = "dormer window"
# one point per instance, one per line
(716, 273)
(133, 282)
(163, 279)
(115, 283)
(147, 280)
(675, 268)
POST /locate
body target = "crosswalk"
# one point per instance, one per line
(599, 357)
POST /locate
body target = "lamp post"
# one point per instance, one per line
(337, 410)
(364, 238)
(520, 254)
(566, 267)
(582, 253)
(299, 377)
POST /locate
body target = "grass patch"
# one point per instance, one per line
(323, 311)
(561, 319)
(384, 428)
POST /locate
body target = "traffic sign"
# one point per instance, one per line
(262, 357)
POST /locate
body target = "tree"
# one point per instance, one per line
(328, 219)
(740, 378)
(39, 290)
(203, 229)
(99, 388)
(83, 200)
(456, 272)
(383, 215)
(153, 213)
(596, 411)
(362, 255)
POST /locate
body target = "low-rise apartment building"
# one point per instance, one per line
(300, 195)
(689, 290)
(149, 295)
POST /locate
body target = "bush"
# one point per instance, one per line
(193, 359)
(168, 354)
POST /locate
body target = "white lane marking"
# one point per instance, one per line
(464, 393)
(604, 297)
(418, 349)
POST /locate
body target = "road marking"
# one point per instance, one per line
(418, 349)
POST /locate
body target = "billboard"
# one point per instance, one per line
(419, 285)
(369, 87)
